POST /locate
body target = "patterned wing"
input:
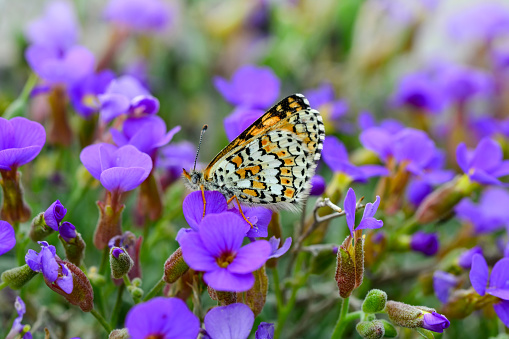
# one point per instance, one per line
(275, 168)
(275, 114)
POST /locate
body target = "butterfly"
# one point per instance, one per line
(271, 163)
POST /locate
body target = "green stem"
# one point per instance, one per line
(101, 320)
(277, 289)
(98, 298)
(118, 304)
(104, 261)
(3, 285)
(157, 287)
(127, 282)
(341, 324)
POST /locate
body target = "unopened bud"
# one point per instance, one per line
(17, 277)
(374, 301)
(120, 262)
(136, 292)
(371, 329)
(14, 208)
(174, 267)
(38, 228)
(416, 316)
(74, 248)
(119, 334)
(350, 266)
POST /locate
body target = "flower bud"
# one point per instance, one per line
(426, 243)
(74, 248)
(14, 208)
(67, 231)
(38, 228)
(174, 267)
(371, 329)
(374, 301)
(110, 220)
(416, 316)
(350, 266)
(82, 294)
(120, 262)
(136, 292)
(119, 334)
(54, 215)
(17, 277)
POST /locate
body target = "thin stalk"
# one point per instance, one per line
(157, 287)
(341, 324)
(3, 285)
(118, 304)
(101, 320)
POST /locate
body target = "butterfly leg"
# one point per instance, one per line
(204, 201)
(240, 209)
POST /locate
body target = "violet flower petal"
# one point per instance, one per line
(229, 322)
(502, 310)
(7, 237)
(479, 274)
(193, 206)
(277, 252)
(222, 232)
(65, 281)
(349, 207)
(251, 257)
(499, 277)
(223, 280)
(265, 331)
(194, 252)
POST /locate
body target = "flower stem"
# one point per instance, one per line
(3, 285)
(277, 288)
(118, 303)
(157, 287)
(341, 324)
(101, 320)
(104, 261)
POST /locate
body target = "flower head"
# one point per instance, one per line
(138, 15)
(162, 318)
(176, 156)
(426, 243)
(54, 214)
(21, 140)
(368, 221)
(7, 237)
(216, 249)
(418, 91)
(460, 84)
(233, 321)
(250, 87)
(118, 169)
(317, 185)
(84, 94)
(484, 164)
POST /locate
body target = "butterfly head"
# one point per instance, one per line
(194, 179)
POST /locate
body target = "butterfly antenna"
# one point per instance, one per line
(204, 128)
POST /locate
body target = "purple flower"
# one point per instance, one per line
(67, 231)
(233, 321)
(485, 164)
(276, 252)
(417, 190)
(491, 20)
(138, 15)
(461, 83)
(7, 237)
(54, 215)
(217, 250)
(250, 87)
(465, 259)
(84, 94)
(118, 169)
(162, 318)
(240, 119)
(415, 149)
(21, 140)
(426, 243)
(490, 214)
(317, 185)
(435, 322)
(443, 284)
(418, 91)
(55, 67)
(146, 133)
(57, 29)
(366, 120)
(45, 263)
(335, 155)
(368, 221)
(323, 99)
(126, 95)
(17, 326)
(498, 287)
(138, 69)
(265, 331)
(176, 156)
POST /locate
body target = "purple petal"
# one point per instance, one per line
(123, 179)
(223, 280)
(229, 322)
(487, 155)
(130, 156)
(167, 138)
(33, 260)
(113, 105)
(222, 233)
(479, 274)
(499, 277)
(502, 310)
(377, 140)
(424, 243)
(374, 171)
(144, 104)
(502, 169)
(435, 322)
(265, 331)
(277, 252)
(27, 133)
(369, 223)
(54, 214)
(318, 185)
(334, 153)
(193, 206)
(462, 157)
(65, 281)
(251, 257)
(465, 259)
(443, 284)
(260, 218)
(371, 208)
(15, 157)
(90, 157)
(118, 138)
(195, 253)
(49, 264)
(349, 205)
(7, 237)
(484, 178)
(138, 15)
(67, 231)
(226, 90)
(499, 293)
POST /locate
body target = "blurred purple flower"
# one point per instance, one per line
(138, 15)
(21, 140)
(240, 119)
(485, 164)
(435, 322)
(138, 69)
(368, 221)
(84, 94)
(17, 326)
(417, 190)
(45, 263)
(57, 29)
(233, 321)
(162, 318)
(126, 95)
(490, 214)
(250, 87)
(7, 237)
(318, 185)
(498, 287)
(443, 284)
(335, 155)
(67, 231)
(176, 156)
(366, 120)
(418, 91)
(465, 258)
(322, 98)
(415, 149)
(276, 252)
(54, 214)
(146, 133)
(426, 243)
(118, 169)
(265, 331)
(55, 67)
(491, 20)
(217, 250)
(460, 84)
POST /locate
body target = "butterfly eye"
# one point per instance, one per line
(195, 178)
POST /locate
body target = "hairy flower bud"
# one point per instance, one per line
(390, 330)
(74, 249)
(17, 277)
(14, 208)
(350, 266)
(416, 316)
(38, 228)
(374, 302)
(174, 267)
(119, 334)
(371, 329)
(120, 262)
(136, 292)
